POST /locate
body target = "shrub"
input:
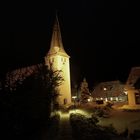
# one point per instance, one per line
(86, 128)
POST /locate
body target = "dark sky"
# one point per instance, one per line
(101, 36)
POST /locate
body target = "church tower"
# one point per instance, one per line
(59, 60)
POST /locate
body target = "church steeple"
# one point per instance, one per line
(56, 46)
(58, 59)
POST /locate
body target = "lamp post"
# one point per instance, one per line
(105, 89)
(74, 101)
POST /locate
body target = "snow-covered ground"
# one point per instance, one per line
(122, 119)
(119, 118)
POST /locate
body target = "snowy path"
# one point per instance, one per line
(65, 130)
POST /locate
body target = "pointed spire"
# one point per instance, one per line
(56, 42)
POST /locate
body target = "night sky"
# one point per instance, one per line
(101, 36)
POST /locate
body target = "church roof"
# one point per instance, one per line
(56, 46)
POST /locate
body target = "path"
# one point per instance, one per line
(65, 130)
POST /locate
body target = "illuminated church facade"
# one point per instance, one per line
(58, 59)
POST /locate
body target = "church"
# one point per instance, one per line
(56, 59)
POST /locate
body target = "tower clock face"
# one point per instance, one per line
(56, 49)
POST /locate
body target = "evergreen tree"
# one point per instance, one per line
(28, 105)
(85, 94)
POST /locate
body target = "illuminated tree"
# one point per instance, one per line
(85, 94)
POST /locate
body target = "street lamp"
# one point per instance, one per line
(105, 89)
(74, 99)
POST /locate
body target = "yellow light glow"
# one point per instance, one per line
(104, 88)
(125, 92)
(79, 111)
(74, 97)
(89, 100)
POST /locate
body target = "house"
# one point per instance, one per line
(109, 91)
